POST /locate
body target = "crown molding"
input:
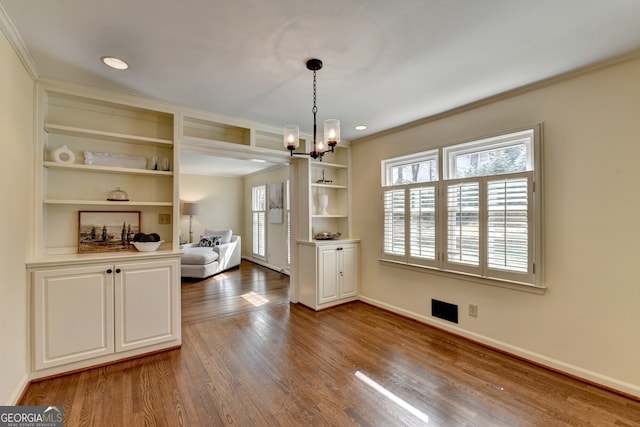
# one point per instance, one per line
(10, 32)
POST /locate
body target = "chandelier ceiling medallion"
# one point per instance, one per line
(331, 126)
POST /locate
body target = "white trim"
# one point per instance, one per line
(11, 33)
(17, 392)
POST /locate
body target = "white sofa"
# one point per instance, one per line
(200, 262)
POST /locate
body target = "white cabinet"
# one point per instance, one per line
(328, 273)
(92, 313)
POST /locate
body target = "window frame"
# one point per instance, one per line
(532, 279)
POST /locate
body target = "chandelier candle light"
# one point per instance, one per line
(331, 126)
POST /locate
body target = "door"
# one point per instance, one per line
(348, 271)
(328, 274)
(73, 314)
(147, 303)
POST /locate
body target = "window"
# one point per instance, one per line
(469, 208)
(258, 214)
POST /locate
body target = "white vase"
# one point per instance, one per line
(324, 202)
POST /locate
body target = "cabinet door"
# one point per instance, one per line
(73, 315)
(348, 270)
(147, 306)
(328, 274)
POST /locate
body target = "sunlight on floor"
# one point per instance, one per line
(255, 299)
(392, 397)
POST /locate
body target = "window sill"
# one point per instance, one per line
(539, 290)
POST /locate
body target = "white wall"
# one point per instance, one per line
(587, 322)
(276, 233)
(16, 190)
(221, 204)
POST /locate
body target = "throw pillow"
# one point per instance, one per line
(225, 234)
(210, 241)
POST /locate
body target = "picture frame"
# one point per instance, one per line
(107, 231)
(276, 203)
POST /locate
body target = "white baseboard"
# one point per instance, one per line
(266, 264)
(20, 388)
(575, 371)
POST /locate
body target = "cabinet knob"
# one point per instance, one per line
(118, 270)
(109, 271)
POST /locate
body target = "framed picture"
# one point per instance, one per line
(276, 202)
(107, 231)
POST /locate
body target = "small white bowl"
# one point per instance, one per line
(147, 246)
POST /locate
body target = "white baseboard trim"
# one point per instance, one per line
(20, 388)
(266, 264)
(575, 371)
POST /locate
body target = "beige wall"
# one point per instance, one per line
(586, 323)
(276, 233)
(16, 190)
(221, 204)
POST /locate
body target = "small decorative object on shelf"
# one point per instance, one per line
(153, 163)
(326, 235)
(147, 242)
(166, 165)
(323, 200)
(116, 160)
(323, 181)
(118, 195)
(63, 155)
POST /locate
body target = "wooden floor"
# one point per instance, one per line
(249, 358)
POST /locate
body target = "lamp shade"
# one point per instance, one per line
(332, 131)
(291, 137)
(190, 208)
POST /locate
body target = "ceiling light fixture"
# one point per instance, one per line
(115, 63)
(360, 127)
(331, 126)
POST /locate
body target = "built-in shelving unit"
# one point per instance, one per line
(327, 178)
(83, 124)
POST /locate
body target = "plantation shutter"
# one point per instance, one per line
(394, 227)
(422, 227)
(463, 225)
(258, 202)
(509, 227)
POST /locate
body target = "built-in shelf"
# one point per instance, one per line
(109, 136)
(104, 203)
(107, 169)
(327, 165)
(321, 185)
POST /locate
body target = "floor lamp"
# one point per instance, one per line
(191, 209)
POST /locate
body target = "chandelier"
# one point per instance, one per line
(331, 126)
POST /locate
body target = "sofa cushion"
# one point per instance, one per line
(199, 256)
(210, 241)
(225, 234)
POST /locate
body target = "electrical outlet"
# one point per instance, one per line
(473, 310)
(164, 219)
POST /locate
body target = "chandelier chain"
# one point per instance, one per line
(315, 108)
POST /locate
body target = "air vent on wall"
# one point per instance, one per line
(444, 310)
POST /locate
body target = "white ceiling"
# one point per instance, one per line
(386, 62)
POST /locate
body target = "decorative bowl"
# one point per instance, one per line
(325, 235)
(147, 246)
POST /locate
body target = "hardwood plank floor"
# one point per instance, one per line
(250, 362)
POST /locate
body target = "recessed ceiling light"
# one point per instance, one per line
(360, 127)
(115, 63)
